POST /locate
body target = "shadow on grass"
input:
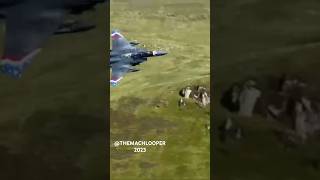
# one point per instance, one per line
(58, 144)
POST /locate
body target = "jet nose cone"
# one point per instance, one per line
(159, 53)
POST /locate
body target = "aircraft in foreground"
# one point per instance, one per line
(29, 23)
(124, 55)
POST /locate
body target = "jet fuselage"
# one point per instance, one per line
(133, 56)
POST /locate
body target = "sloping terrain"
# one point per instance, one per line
(52, 124)
(145, 104)
(261, 39)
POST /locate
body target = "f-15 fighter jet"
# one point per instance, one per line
(125, 55)
(28, 23)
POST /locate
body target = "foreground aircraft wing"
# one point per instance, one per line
(27, 27)
(118, 71)
(119, 42)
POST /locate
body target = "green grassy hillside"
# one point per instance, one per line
(52, 124)
(145, 104)
(263, 39)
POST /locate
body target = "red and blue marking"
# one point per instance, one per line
(116, 36)
(13, 66)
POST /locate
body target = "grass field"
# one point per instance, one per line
(50, 120)
(263, 39)
(52, 124)
(145, 104)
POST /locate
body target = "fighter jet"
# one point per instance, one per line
(124, 55)
(28, 23)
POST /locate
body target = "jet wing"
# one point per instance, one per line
(118, 71)
(119, 42)
(27, 27)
